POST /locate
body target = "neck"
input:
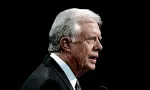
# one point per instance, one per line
(74, 66)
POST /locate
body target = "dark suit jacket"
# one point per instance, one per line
(47, 76)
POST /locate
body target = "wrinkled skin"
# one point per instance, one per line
(85, 51)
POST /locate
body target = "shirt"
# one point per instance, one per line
(66, 69)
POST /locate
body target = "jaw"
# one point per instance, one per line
(90, 65)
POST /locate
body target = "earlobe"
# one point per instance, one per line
(65, 43)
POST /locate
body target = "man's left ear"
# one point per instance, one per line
(65, 43)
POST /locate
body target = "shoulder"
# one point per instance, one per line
(42, 76)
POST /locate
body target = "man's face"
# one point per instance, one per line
(85, 50)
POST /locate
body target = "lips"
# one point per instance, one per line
(93, 57)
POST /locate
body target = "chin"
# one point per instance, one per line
(92, 67)
(89, 66)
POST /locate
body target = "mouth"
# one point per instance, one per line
(93, 59)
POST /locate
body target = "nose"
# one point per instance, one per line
(98, 46)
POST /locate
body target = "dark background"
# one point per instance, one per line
(123, 63)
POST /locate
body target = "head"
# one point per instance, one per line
(75, 36)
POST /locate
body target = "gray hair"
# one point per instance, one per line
(67, 24)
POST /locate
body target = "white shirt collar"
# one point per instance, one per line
(66, 69)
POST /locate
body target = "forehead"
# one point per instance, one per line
(90, 28)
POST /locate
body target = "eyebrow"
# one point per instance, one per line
(90, 37)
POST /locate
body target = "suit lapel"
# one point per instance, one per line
(52, 63)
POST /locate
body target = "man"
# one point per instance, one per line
(73, 49)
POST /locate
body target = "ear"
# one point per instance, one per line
(65, 44)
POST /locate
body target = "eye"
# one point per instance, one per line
(91, 39)
(94, 38)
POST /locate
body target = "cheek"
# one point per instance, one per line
(85, 51)
(88, 48)
(82, 51)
